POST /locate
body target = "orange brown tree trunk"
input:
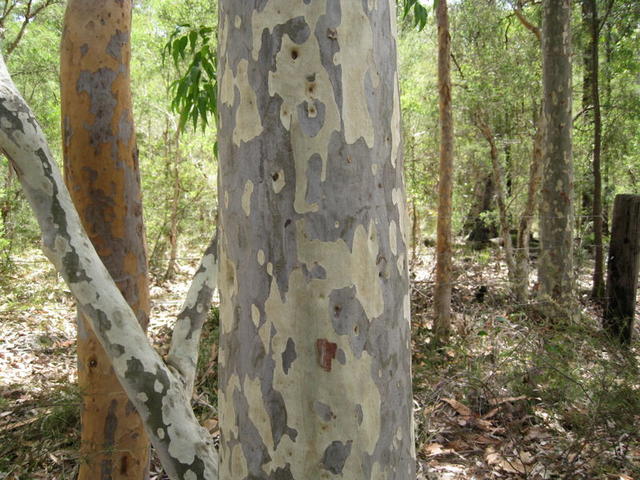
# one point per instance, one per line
(444, 266)
(101, 171)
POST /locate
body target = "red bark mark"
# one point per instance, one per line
(326, 353)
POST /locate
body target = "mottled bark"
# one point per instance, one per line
(315, 377)
(444, 262)
(157, 392)
(555, 265)
(102, 174)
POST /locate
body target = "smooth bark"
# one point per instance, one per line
(444, 261)
(102, 174)
(555, 265)
(315, 377)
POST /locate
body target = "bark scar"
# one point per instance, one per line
(326, 353)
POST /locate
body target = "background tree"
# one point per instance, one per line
(444, 253)
(555, 268)
(102, 174)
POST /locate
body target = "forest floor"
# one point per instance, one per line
(513, 395)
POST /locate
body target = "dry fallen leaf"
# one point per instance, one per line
(500, 400)
(510, 465)
(459, 407)
(433, 449)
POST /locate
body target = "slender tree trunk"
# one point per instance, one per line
(501, 197)
(444, 263)
(555, 265)
(598, 272)
(173, 163)
(101, 170)
(606, 160)
(315, 377)
(526, 219)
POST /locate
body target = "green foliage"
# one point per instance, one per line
(195, 92)
(419, 12)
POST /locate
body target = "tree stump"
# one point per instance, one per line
(623, 264)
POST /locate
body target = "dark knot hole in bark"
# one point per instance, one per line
(93, 362)
(275, 176)
(294, 53)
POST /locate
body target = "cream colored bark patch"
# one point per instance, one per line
(395, 123)
(255, 315)
(393, 237)
(246, 197)
(341, 389)
(228, 287)
(299, 78)
(346, 267)
(248, 123)
(355, 37)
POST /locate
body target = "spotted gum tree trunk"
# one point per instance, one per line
(555, 266)
(315, 377)
(101, 171)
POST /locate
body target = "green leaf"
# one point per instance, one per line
(195, 91)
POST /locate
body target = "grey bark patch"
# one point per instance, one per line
(116, 43)
(289, 355)
(116, 350)
(255, 451)
(349, 318)
(317, 271)
(125, 127)
(341, 357)
(98, 85)
(84, 49)
(314, 179)
(335, 456)
(110, 427)
(282, 473)
(297, 29)
(311, 116)
(323, 410)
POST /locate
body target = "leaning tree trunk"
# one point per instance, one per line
(101, 171)
(555, 266)
(315, 377)
(444, 262)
